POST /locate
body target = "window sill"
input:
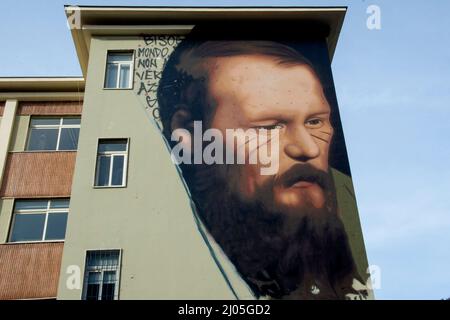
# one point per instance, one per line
(118, 89)
(42, 151)
(109, 187)
(31, 242)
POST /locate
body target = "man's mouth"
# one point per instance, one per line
(303, 176)
(302, 181)
(303, 184)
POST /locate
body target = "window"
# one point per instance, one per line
(101, 278)
(53, 133)
(39, 220)
(111, 165)
(119, 70)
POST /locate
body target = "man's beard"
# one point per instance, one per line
(278, 255)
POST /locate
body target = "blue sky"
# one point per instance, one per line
(393, 88)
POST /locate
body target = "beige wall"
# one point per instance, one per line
(164, 256)
(20, 131)
(6, 209)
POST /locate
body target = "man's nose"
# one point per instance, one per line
(302, 146)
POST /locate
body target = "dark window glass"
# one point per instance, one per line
(103, 258)
(120, 57)
(111, 76)
(69, 139)
(109, 285)
(71, 120)
(108, 291)
(56, 226)
(42, 139)
(117, 171)
(28, 227)
(59, 203)
(45, 121)
(92, 291)
(124, 81)
(102, 274)
(112, 145)
(103, 167)
(93, 286)
(30, 204)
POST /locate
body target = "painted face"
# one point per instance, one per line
(254, 91)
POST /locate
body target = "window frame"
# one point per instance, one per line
(45, 211)
(59, 127)
(111, 154)
(131, 64)
(88, 270)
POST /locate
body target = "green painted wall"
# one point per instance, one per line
(164, 256)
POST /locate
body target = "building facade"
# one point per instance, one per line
(32, 235)
(92, 205)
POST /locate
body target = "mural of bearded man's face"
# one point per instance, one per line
(282, 231)
(254, 91)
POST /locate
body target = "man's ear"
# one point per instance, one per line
(182, 131)
(182, 119)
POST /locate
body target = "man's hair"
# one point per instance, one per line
(180, 89)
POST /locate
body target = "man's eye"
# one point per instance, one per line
(314, 123)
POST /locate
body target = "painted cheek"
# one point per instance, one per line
(250, 179)
(250, 187)
(317, 197)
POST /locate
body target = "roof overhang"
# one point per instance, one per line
(41, 88)
(89, 21)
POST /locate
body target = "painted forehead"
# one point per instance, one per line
(200, 64)
(244, 73)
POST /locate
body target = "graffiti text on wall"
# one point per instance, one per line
(151, 57)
